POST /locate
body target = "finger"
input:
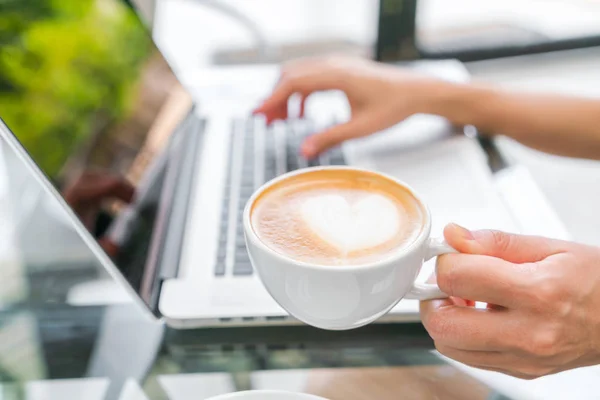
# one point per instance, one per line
(479, 358)
(481, 278)
(325, 140)
(467, 328)
(452, 300)
(113, 187)
(267, 104)
(278, 113)
(287, 86)
(448, 352)
(271, 111)
(502, 371)
(507, 372)
(304, 77)
(510, 247)
(497, 361)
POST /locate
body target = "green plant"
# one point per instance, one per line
(66, 66)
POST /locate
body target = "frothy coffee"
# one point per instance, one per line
(337, 217)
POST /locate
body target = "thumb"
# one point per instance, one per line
(331, 137)
(510, 247)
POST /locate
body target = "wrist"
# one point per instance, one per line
(460, 103)
(431, 96)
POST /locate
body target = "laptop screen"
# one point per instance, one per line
(92, 100)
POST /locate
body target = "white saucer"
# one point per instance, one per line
(266, 395)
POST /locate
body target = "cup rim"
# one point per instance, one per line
(394, 256)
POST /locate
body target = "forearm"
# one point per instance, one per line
(551, 123)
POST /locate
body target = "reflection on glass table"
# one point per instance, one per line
(110, 353)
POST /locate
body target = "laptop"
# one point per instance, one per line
(155, 173)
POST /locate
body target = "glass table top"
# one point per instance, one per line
(69, 331)
(116, 352)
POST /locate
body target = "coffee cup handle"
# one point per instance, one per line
(430, 291)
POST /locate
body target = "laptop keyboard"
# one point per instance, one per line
(258, 153)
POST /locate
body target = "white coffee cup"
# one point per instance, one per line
(266, 395)
(344, 297)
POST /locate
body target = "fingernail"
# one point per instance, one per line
(464, 233)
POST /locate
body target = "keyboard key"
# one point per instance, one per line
(260, 131)
(221, 254)
(280, 146)
(302, 128)
(220, 268)
(325, 159)
(337, 157)
(294, 159)
(247, 173)
(314, 162)
(241, 253)
(292, 162)
(247, 186)
(244, 196)
(270, 172)
(242, 262)
(243, 269)
(224, 222)
(270, 161)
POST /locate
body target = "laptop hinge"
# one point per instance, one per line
(185, 158)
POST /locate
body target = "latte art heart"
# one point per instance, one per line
(352, 226)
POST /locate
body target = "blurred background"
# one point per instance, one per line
(197, 33)
(388, 30)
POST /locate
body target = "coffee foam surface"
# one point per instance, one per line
(350, 226)
(336, 217)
